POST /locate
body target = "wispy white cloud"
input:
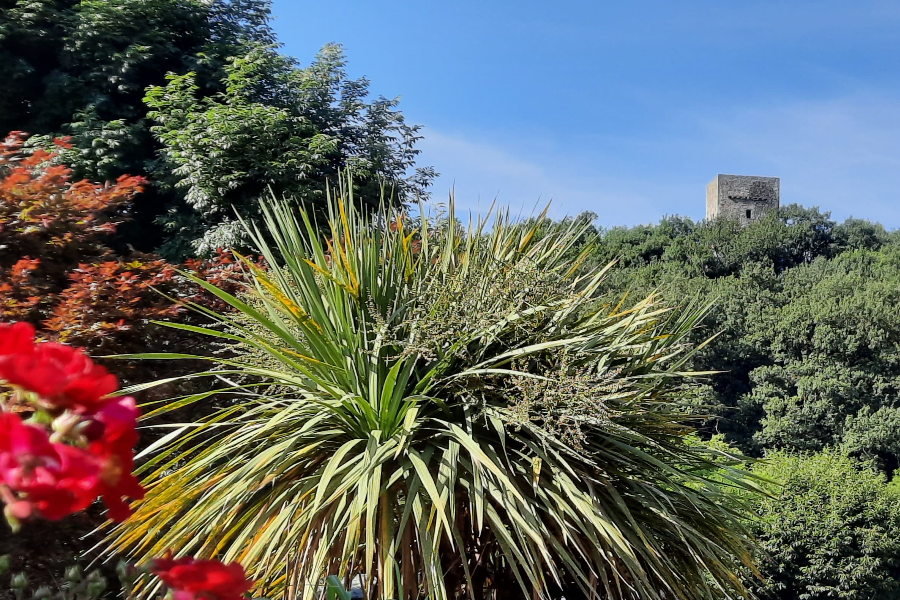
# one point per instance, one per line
(842, 154)
(526, 179)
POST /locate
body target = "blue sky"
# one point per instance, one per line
(628, 109)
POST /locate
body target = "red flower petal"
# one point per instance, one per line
(114, 451)
(64, 377)
(54, 479)
(16, 338)
(189, 577)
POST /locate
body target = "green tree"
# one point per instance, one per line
(276, 127)
(62, 59)
(831, 529)
(834, 345)
(860, 234)
(875, 435)
(805, 316)
(256, 120)
(81, 67)
(643, 244)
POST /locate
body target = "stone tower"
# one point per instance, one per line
(745, 198)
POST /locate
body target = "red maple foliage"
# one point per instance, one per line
(58, 272)
(43, 213)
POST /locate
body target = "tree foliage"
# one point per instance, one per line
(276, 128)
(59, 272)
(80, 68)
(226, 116)
(88, 62)
(805, 309)
(830, 529)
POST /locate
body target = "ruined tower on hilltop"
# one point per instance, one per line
(745, 198)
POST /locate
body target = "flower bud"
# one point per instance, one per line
(19, 581)
(96, 585)
(63, 422)
(128, 575)
(63, 425)
(91, 429)
(4, 564)
(73, 574)
(95, 576)
(14, 514)
(21, 510)
(42, 592)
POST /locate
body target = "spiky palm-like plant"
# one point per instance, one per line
(450, 413)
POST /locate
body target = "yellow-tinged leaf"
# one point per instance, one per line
(536, 463)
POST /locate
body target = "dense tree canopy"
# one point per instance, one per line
(81, 67)
(275, 127)
(218, 88)
(805, 309)
(829, 530)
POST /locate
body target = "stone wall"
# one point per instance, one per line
(745, 198)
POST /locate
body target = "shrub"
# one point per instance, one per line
(59, 272)
(451, 418)
(831, 529)
(48, 222)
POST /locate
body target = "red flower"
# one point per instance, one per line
(119, 419)
(52, 480)
(16, 338)
(64, 377)
(190, 578)
(113, 449)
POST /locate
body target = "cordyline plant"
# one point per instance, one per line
(448, 412)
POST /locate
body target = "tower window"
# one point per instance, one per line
(748, 213)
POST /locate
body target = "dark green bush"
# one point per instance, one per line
(830, 529)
